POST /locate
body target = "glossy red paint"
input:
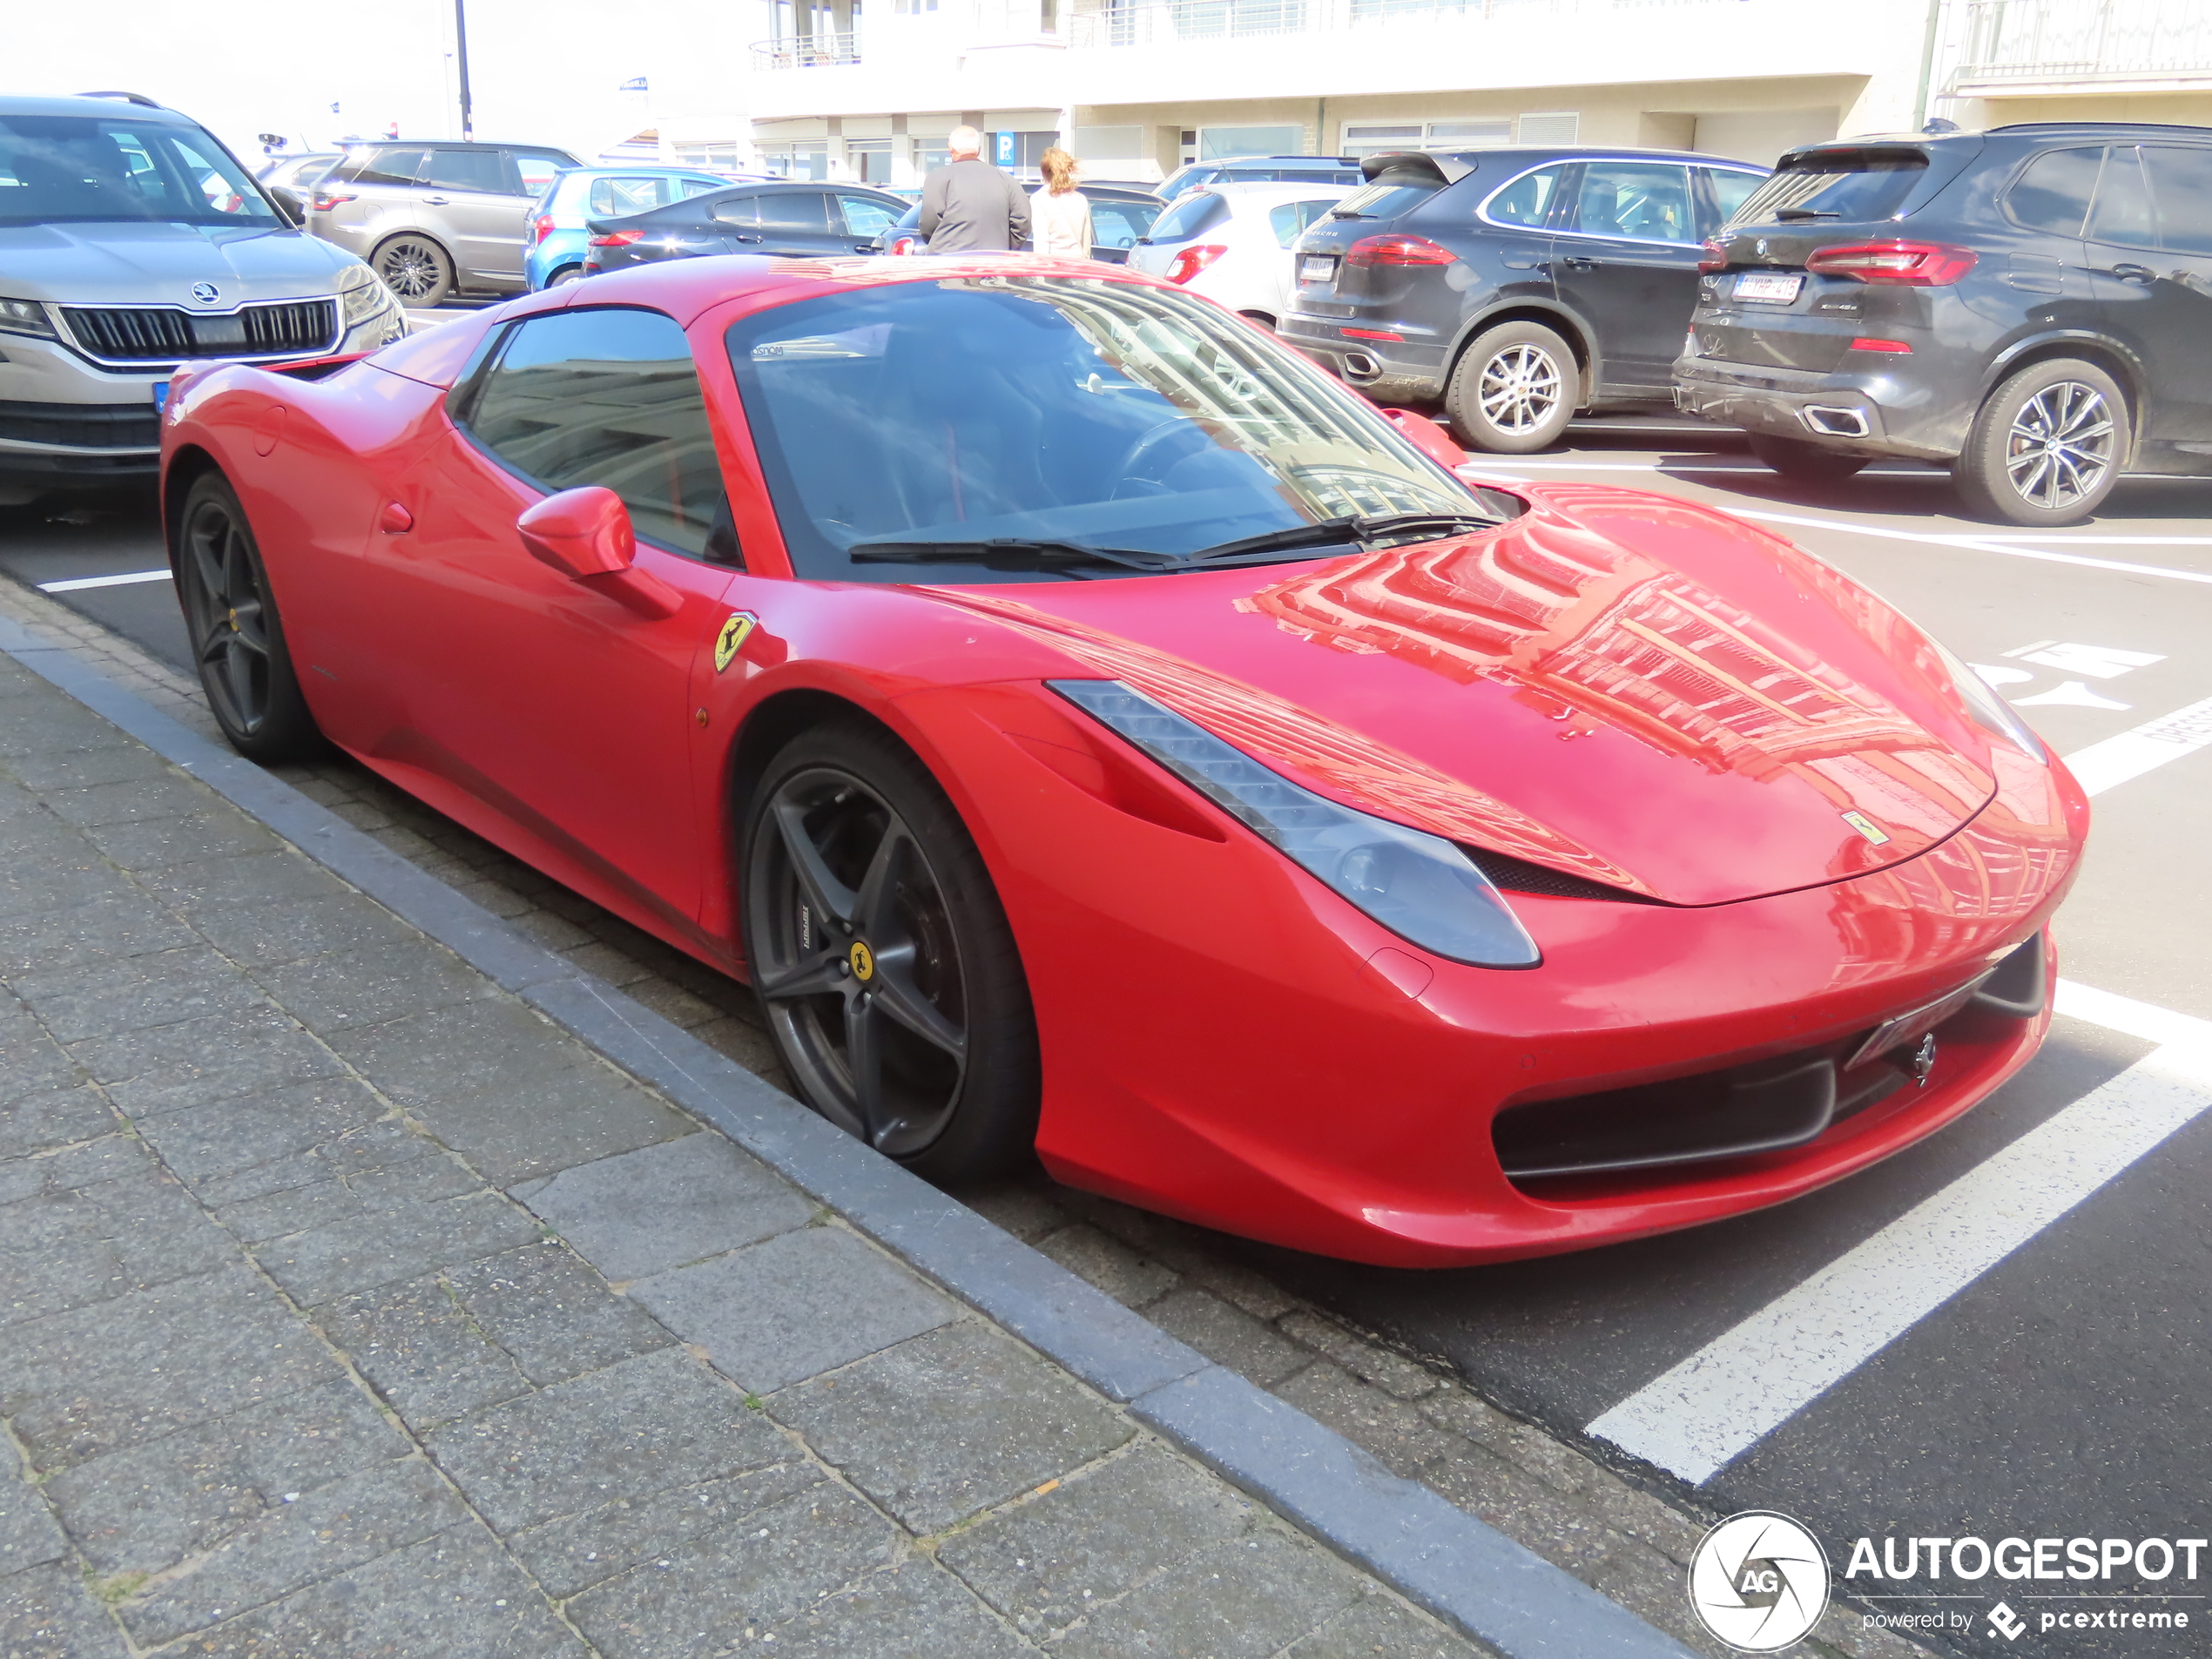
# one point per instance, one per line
(1624, 687)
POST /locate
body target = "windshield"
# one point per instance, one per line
(1068, 409)
(63, 168)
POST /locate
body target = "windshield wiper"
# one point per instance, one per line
(1806, 212)
(1356, 530)
(1006, 553)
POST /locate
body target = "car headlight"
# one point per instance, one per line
(25, 317)
(1990, 711)
(1418, 885)
(361, 293)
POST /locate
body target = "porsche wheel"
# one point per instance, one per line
(1514, 390)
(236, 637)
(416, 269)
(880, 951)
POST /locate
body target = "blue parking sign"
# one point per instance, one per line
(1002, 148)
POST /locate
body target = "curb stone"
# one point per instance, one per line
(1467, 1573)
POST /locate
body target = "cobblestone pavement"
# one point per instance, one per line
(1414, 1417)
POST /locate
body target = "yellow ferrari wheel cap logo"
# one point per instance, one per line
(1867, 827)
(733, 635)
(863, 961)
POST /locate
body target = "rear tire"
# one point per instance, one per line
(1514, 389)
(2046, 446)
(566, 273)
(883, 959)
(416, 268)
(236, 637)
(1806, 462)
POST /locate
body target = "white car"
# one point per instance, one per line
(1232, 242)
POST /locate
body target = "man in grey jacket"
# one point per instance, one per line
(968, 206)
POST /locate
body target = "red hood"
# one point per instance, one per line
(1624, 686)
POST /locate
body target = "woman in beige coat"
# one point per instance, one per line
(1059, 214)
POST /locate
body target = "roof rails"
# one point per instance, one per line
(140, 99)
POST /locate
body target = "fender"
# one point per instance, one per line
(2134, 377)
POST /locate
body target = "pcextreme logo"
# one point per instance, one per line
(1759, 1581)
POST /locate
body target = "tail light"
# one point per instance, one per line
(616, 238)
(544, 225)
(1397, 250)
(900, 244)
(1716, 256)
(324, 201)
(1191, 261)
(1913, 264)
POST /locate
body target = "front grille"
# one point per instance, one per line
(1518, 875)
(163, 334)
(82, 425)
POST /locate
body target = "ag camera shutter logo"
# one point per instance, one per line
(1758, 1582)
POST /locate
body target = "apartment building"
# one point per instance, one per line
(2075, 60)
(1137, 87)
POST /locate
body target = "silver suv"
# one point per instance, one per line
(130, 242)
(435, 219)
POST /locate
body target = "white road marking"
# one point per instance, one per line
(75, 583)
(1974, 545)
(2072, 694)
(2135, 751)
(1715, 1405)
(1753, 470)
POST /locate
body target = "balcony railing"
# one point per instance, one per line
(1150, 23)
(2038, 40)
(808, 52)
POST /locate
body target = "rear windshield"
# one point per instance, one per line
(1191, 215)
(1385, 198)
(80, 168)
(1844, 186)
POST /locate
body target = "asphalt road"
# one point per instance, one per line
(2005, 1331)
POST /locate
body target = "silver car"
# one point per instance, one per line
(131, 242)
(434, 220)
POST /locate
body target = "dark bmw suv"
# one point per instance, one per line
(1517, 284)
(2032, 305)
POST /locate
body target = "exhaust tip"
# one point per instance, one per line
(1358, 363)
(1837, 423)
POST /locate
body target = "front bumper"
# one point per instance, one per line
(1901, 416)
(1226, 1040)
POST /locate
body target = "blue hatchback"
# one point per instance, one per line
(555, 252)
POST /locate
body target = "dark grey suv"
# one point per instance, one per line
(2032, 305)
(1518, 285)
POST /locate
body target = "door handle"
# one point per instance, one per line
(1576, 262)
(437, 201)
(744, 239)
(2135, 274)
(864, 247)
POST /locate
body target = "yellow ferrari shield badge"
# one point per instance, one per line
(1867, 827)
(863, 961)
(734, 633)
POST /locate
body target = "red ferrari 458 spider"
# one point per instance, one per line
(1090, 727)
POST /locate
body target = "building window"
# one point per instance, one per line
(721, 156)
(1362, 139)
(796, 158)
(1552, 126)
(1219, 144)
(870, 159)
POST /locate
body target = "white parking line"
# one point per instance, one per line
(1738, 1389)
(76, 583)
(1752, 468)
(2133, 753)
(1974, 545)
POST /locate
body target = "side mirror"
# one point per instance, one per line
(585, 534)
(1425, 435)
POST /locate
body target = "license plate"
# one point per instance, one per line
(1775, 287)
(160, 395)
(1318, 267)
(1906, 1028)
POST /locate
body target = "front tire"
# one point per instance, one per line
(2047, 447)
(565, 275)
(1806, 462)
(883, 959)
(236, 637)
(416, 268)
(1514, 390)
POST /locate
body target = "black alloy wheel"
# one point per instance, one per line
(236, 637)
(416, 268)
(2047, 447)
(882, 958)
(1806, 462)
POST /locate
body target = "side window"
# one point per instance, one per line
(387, 167)
(2122, 212)
(1645, 201)
(687, 188)
(1731, 189)
(739, 210)
(1528, 200)
(1289, 219)
(2181, 183)
(794, 210)
(477, 169)
(617, 198)
(865, 216)
(1116, 223)
(536, 169)
(607, 397)
(2052, 191)
(1189, 216)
